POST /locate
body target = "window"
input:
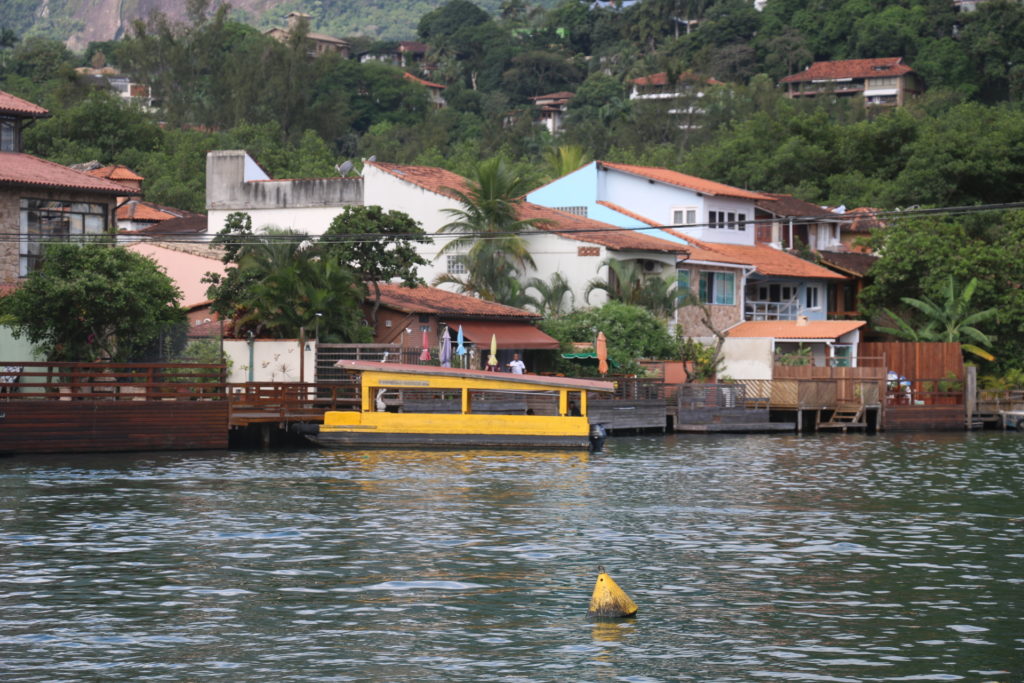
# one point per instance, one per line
(457, 264)
(732, 221)
(44, 220)
(716, 219)
(812, 297)
(717, 288)
(684, 216)
(9, 135)
(574, 210)
(742, 218)
(682, 285)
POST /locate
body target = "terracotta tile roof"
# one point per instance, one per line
(138, 210)
(412, 46)
(851, 68)
(563, 95)
(25, 169)
(442, 302)
(863, 220)
(661, 78)
(440, 181)
(115, 173)
(664, 175)
(852, 262)
(791, 329)
(193, 224)
(766, 260)
(9, 104)
(416, 79)
(788, 205)
(184, 266)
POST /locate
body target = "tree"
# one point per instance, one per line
(629, 283)
(278, 281)
(632, 333)
(952, 319)
(94, 302)
(550, 301)
(379, 246)
(488, 229)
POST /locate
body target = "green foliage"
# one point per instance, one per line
(554, 296)
(94, 302)
(800, 356)
(629, 283)
(632, 333)
(702, 362)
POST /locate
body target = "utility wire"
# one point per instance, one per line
(261, 238)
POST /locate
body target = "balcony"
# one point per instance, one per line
(771, 310)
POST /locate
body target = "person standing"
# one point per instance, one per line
(516, 366)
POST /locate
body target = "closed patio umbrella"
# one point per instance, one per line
(460, 350)
(446, 349)
(492, 360)
(425, 353)
(601, 347)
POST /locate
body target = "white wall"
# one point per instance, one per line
(274, 360)
(747, 358)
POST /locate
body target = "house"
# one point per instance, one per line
(752, 349)
(107, 77)
(785, 222)
(844, 297)
(41, 201)
(133, 214)
(683, 93)
(435, 91)
(886, 81)
(322, 43)
(405, 314)
(860, 223)
(733, 277)
(564, 243)
(551, 110)
(403, 54)
(189, 228)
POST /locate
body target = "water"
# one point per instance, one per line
(753, 558)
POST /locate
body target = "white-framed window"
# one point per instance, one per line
(49, 220)
(682, 285)
(685, 215)
(716, 219)
(742, 221)
(731, 220)
(811, 298)
(717, 288)
(457, 264)
(574, 210)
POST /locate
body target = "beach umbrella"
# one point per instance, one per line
(493, 358)
(460, 350)
(446, 349)
(602, 353)
(425, 353)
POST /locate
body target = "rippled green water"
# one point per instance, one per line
(837, 558)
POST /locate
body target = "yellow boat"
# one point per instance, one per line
(428, 406)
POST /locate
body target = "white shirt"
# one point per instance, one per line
(517, 367)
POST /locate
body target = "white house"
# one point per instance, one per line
(564, 243)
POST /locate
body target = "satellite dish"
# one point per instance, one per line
(373, 158)
(344, 167)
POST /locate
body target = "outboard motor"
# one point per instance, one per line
(597, 436)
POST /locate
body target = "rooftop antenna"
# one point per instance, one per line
(344, 167)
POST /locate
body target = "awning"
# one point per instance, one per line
(588, 358)
(510, 334)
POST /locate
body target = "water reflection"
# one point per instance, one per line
(841, 557)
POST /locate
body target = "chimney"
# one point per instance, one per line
(801, 321)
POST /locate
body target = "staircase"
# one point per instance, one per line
(845, 417)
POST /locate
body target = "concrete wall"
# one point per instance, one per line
(12, 349)
(234, 182)
(747, 358)
(274, 360)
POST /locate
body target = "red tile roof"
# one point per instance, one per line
(9, 104)
(416, 79)
(115, 173)
(851, 68)
(664, 175)
(27, 170)
(626, 212)
(852, 262)
(192, 224)
(767, 260)
(792, 329)
(864, 220)
(442, 302)
(138, 210)
(563, 95)
(661, 78)
(788, 205)
(440, 181)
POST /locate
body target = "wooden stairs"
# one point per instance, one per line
(845, 417)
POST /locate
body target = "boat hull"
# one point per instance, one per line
(444, 441)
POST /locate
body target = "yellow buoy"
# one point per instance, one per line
(609, 600)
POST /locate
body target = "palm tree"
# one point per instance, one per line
(488, 229)
(948, 321)
(550, 301)
(627, 282)
(565, 159)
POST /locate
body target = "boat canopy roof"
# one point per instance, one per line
(483, 379)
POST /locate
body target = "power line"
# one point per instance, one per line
(359, 238)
